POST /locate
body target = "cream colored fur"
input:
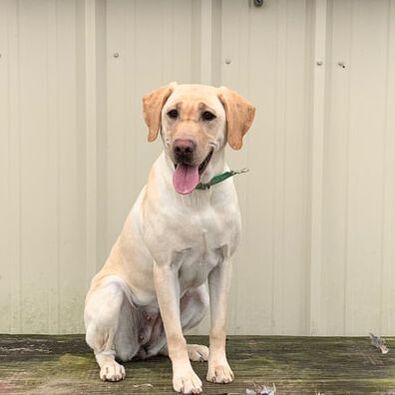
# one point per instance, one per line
(153, 285)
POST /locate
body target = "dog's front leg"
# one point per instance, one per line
(219, 370)
(167, 288)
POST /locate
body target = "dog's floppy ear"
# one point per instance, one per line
(240, 114)
(152, 108)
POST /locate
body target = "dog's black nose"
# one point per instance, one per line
(184, 149)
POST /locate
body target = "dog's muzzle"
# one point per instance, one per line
(183, 151)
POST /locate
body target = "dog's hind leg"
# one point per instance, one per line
(108, 318)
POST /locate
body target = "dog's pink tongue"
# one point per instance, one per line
(185, 178)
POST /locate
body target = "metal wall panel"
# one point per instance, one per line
(318, 249)
(43, 161)
(269, 55)
(358, 207)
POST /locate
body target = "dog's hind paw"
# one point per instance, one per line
(112, 371)
(197, 352)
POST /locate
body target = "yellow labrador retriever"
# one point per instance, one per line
(153, 285)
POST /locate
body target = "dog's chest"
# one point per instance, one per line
(206, 246)
(196, 262)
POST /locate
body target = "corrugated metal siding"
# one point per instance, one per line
(358, 273)
(318, 249)
(43, 154)
(270, 53)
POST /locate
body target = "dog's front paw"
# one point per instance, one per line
(187, 382)
(112, 371)
(220, 373)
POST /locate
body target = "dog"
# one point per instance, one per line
(176, 239)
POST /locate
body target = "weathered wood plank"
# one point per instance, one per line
(297, 365)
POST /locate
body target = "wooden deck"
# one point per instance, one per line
(297, 365)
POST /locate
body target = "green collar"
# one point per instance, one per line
(219, 178)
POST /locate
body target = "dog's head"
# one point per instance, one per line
(195, 122)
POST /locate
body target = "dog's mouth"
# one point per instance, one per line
(186, 177)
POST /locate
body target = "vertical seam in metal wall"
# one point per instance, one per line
(284, 143)
(58, 148)
(216, 47)
(52, 106)
(58, 175)
(384, 156)
(347, 188)
(172, 23)
(308, 38)
(273, 219)
(194, 37)
(7, 124)
(162, 47)
(206, 35)
(132, 72)
(18, 125)
(101, 160)
(318, 128)
(14, 120)
(90, 138)
(279, 161)
(247, 196)
(236, 268)
(388, 185)
(121, 60)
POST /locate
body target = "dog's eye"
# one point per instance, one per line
(173, 114)
(208, 116)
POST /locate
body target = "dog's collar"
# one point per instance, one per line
(219, 178)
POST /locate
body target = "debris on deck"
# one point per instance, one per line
(379, 342)
(147, 386)
(261, 390)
